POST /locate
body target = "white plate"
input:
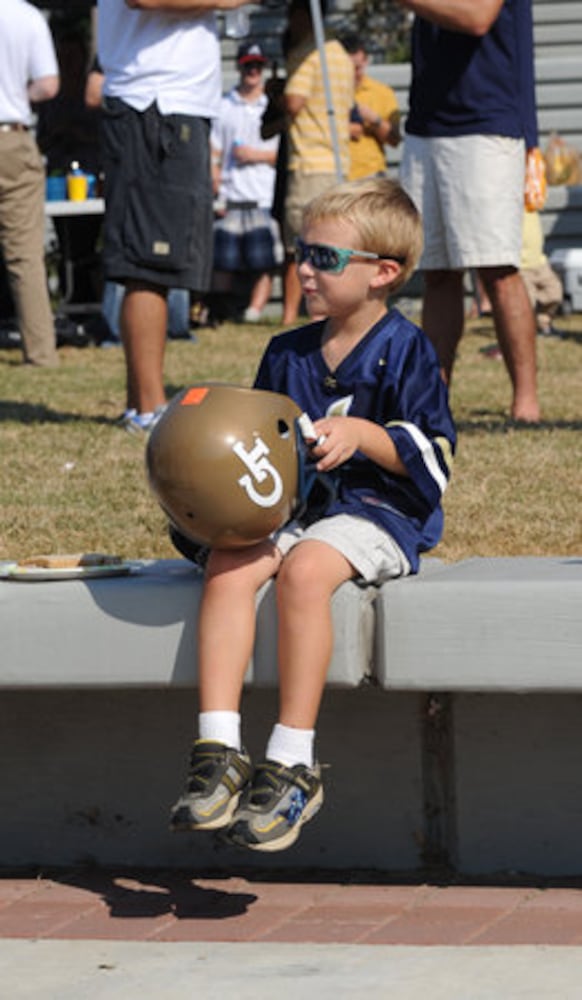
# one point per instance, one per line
(12, 571)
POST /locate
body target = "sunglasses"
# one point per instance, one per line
(334, 260)
(248, 67)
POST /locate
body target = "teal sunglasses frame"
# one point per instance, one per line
(334, 260)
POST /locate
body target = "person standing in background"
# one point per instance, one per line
(28, 74)
(311, 163)
(471, 118)
(161, 61)
(378, 113)
(246, 236)
(543, 285)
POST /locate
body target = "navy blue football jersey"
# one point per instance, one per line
(392, 378)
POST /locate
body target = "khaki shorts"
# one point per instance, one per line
(469, 190)
(372, 552)
(301, 189)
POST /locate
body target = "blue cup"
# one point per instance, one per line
(91, 185)
(56, 188)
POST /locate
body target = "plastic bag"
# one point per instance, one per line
(535, 180)
(563, 162)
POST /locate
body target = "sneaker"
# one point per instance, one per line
(251, 315)
(492, 352)
(275, 806)
(141, 423)
(216, 778)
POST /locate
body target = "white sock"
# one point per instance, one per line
(224, 727)
(290, 746)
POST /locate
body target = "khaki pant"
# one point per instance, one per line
(22, 241)
(544, 289)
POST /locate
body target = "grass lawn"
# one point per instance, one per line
(72, 480)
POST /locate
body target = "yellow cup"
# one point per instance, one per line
(77, 186)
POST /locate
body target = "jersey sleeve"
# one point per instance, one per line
(421, 425)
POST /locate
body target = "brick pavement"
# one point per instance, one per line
(177, 906)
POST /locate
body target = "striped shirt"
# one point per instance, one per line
(310, 144)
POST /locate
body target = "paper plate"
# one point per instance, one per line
(31, 574)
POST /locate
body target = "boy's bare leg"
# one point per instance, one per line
(516, 332)
(144, 323)
(443, 316)
(286, 789)
(307, 579)
(219, 768)
(226, 623)
(261, 292)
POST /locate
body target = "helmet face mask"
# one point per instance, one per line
(223, 463)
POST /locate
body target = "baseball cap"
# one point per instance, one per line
(250, 52)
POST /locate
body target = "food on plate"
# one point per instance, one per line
(70, 560)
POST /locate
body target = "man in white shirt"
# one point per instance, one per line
(161, 61)
(246, 236)
(28, 73)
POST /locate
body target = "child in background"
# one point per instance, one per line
(543, 285)
(370, 380)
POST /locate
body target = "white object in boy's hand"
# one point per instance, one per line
(307, 428)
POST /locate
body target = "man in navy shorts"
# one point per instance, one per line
(162, 88)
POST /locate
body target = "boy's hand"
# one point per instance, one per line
(342, 436)
(337, 440)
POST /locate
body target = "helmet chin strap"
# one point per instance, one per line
(316, 490)
(196, 552)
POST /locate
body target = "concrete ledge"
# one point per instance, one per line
(482, 624)
(140, 631)
(111, 632)
(511, 624)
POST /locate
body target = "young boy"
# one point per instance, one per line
(370, 380)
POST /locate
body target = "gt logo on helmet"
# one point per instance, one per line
(260, 469)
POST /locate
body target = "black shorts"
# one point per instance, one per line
(158, 197)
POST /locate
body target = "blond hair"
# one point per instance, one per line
(384, 217)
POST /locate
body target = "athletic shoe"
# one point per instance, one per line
(275, 806)
(215, 780)
(549, 331)
(251, 315)
(141, 423)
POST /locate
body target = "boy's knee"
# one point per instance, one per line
(300, 571)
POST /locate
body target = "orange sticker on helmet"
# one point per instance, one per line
(194, 396)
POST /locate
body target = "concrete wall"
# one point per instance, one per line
(96, 774)
(485, 783)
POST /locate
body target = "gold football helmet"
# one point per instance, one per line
(224, 463)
